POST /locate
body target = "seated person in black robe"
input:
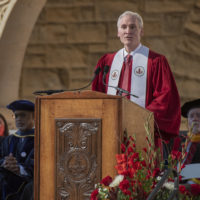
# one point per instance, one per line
(17, 152)
(191, 111)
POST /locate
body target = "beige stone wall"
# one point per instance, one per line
(70, 36)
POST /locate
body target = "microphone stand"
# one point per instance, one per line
(120, 90)
(49, 92)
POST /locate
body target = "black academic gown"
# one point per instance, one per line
(21, 145)
(196, 157)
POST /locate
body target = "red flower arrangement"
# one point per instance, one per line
(139, 172)
(137, 176)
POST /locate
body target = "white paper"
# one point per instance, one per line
(191, 171)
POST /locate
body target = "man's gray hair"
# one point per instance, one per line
(134, 14)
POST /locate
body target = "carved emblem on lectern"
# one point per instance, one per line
(78, 157)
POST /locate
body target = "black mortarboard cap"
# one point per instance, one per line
(189, 105)
(21, 105)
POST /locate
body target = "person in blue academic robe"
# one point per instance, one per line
(17, 152)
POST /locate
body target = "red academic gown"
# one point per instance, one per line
(162, 96)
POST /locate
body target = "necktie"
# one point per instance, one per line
(127, 73)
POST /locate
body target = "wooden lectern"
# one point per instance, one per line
(77, 137)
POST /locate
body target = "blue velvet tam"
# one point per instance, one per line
(188, 106)
(21, 105)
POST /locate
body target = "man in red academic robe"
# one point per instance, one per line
(146, 75)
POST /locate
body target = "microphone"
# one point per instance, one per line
(49, 92)
(120, 90)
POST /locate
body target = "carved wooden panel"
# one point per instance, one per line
(78, 158)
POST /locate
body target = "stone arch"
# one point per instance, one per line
(13, 42)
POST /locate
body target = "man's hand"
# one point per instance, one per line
(10, 163)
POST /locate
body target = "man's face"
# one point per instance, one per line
(194, 120)
(129, 31)
(24, 120)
